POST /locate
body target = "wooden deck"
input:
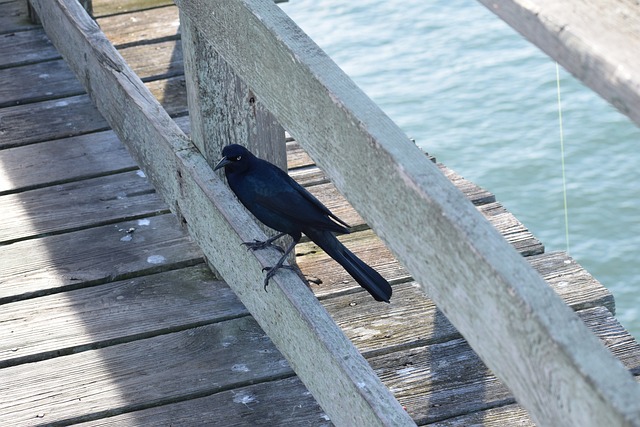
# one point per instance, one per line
(111, 317)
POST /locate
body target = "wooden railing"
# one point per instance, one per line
(520, 328)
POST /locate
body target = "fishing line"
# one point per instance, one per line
(564, 178)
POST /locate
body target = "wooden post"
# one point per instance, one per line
(224, 110)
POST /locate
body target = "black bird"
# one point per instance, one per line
(279, 202)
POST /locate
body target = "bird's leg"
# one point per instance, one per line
(257, 244)
(271, 271)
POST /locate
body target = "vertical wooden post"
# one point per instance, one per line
(224, 110)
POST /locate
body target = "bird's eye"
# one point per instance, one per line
(238, 158)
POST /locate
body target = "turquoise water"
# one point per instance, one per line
(483, 100)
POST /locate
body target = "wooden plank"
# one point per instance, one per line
(284, 402)
(502, 416)
(37, 82)
(127, 310)
(448, 379)
(140, 374)
(597, 42)
(92, 256)
(511, 229)
(504, 221)
(142, 26)
(412, 319)
(301, 166)
(113, 7)
(33, 16)
(476, 194)
(54, 79)
(223, 110)
(579, 289)
(328, 277)
(25, 47)
(328, 364)
(132, 29)
(77, 157)
(20, 123)
(451, 389)
(14, 17)
(77, 205)
(484, 286)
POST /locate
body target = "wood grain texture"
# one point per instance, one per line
(434, 382)
(223, 109)
(503, 221)
(97, 255)
(112, 7)
(448, 379)
(595, 41)
(83, 156)
(77, 205)
(25, 47)
(79, 157)
(14, 17)
(502, 416)
(284, 402)
(139, 27)
(20, 123)
(413, 319)
(328, 364)
(477, 279)
(94, 318)
(54, 79)
(127, 310)
(141, 373)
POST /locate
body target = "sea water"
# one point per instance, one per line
(483, 100)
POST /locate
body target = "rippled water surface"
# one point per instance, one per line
(483, 100)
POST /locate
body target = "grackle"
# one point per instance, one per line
(279, 202)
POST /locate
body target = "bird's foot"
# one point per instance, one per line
(271, 271)
(257, 245)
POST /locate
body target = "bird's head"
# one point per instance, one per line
(234, 158)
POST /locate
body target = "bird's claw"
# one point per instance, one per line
(271, 271)
(258, 244)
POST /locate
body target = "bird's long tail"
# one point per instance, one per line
(366, 276)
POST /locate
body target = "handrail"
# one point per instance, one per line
(529, 338)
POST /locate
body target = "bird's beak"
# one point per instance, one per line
(223, 162)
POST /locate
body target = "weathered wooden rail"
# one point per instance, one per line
(562, 375)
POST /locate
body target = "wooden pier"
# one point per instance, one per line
(109, 314)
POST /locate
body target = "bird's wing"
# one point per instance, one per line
(293, 201)
(317, 203)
